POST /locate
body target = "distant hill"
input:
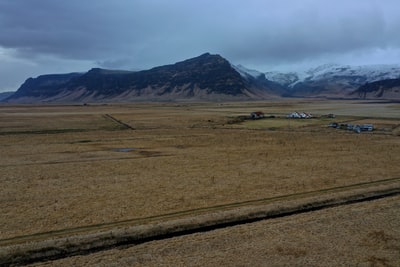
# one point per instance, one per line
(207, 77)
(389, 88)
(5, 95)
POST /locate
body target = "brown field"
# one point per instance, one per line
(362, 234)
(64, 167)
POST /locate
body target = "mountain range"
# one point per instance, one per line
(333, 80)
(206, 77)
(209, 77)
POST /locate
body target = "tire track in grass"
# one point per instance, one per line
(108, 116)
(88, 239)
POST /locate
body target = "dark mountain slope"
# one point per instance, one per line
(389, 88)
(207, 77)
(211, 74)
(43, 86)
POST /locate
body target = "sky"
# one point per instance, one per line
(58, 36)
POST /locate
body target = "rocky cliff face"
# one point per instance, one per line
(44, 86)
(389, 88)
(207, 77)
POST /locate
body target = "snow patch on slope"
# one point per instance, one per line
(369, 73)
(245, 72)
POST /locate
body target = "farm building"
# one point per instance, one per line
(367, 127)
(257, 115)
(351, 127)
(299, 115)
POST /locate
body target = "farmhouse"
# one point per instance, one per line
(331, 115)
(299, 115)
(257, 115)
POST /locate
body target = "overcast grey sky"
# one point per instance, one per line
(58, 36)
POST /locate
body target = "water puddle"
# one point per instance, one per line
(125, 149)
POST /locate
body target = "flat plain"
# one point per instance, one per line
(70, 166)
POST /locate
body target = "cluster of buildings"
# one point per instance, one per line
(356, 128)
(299, 115)
(303, 115)
(295, 115)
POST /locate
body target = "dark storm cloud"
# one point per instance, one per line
(321, 31)
(62, 28)
(146, 33)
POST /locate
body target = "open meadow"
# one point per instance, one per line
(65, 167)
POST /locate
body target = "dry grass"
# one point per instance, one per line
(363, 234)
(61, 167)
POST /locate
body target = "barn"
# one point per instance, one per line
(257, 115)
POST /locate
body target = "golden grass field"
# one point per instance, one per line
(64, 167)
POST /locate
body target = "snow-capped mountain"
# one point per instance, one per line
(360, 74)
(369, 73)
(258, 80)
(247, 73)
(333, 80)
(286, 79)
